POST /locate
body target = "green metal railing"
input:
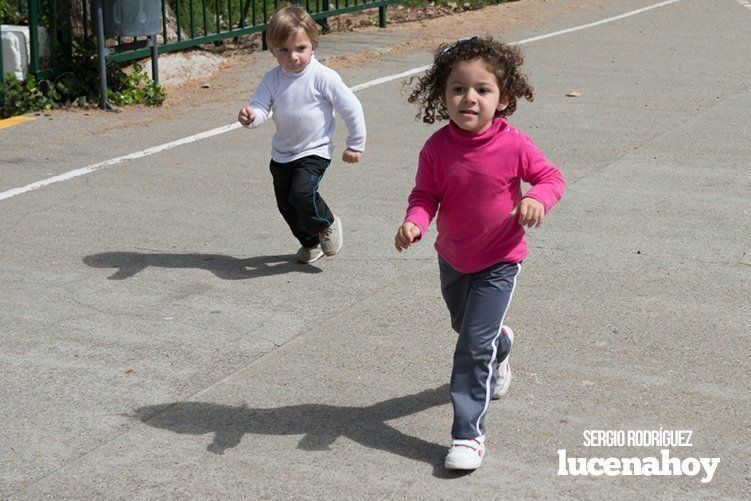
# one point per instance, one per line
(207, 21)
(53, 55)
(193, 22)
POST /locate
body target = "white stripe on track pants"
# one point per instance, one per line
(478, 303)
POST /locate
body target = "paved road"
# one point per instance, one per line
(156, 341)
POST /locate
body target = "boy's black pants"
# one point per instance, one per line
(296, 189)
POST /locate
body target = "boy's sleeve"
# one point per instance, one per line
(425, 198)
(546, 180)
(262, 102)
(349, 108)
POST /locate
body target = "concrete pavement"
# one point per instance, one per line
(156, 341)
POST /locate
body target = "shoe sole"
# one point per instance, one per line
(502, 391)
(453, 466)
(341, 240)
(312, 260)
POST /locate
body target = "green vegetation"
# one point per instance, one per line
(201, 17)
(22, 96)
(78, 86)
(204, 17)
(11, 14)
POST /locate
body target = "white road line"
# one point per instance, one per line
(114, 161)
(221, 130)
(525, 41)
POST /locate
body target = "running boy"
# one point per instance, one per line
(301, 95)
(470, 173)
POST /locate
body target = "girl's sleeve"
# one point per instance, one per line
(425, 198)
(348, 107)
(262, 102)
(546, 180)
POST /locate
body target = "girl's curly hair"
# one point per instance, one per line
(502, 59)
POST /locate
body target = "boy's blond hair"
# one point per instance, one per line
(286, 21)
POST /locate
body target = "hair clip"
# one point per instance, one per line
(457, 44)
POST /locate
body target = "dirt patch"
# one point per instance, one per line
(228, 75)
(428, 33)
(178, 68)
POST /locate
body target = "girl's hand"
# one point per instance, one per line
(406, 235)
(351, 156)
(246, 116)
(530, 212)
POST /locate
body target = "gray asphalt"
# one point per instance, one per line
(157, 341)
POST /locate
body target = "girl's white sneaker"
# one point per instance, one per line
(465, 454)
(503, 372)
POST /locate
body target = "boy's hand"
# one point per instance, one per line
(246, 116)
(530, 212)
(406, 235)
(351, 156)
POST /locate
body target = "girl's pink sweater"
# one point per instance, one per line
(476, 181)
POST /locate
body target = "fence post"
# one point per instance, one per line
(154, 59)
(2, 75)
(382, 16)
(2, 70)
(34, 36)
(164, 22)
(102, 51)
(85, 11)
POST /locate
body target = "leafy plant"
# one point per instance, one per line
(22, 96)
(135, 88)
(79, 86)
(10, 14)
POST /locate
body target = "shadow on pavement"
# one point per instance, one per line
(321, 425)
(225, 267)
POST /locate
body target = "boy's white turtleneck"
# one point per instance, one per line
(302, 106)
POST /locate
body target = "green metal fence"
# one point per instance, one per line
(186, 23)
(52, 54)
(200, 22)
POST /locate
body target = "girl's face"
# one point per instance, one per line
(473, 96)
(295, 53)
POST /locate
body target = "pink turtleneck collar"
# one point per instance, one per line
(469, 140)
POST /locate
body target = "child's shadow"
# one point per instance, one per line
(319, 424)
(226, 267)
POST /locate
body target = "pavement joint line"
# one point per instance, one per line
(647, 255)
(638, 148)
(227, 128)
(212, 385)
(155, 319)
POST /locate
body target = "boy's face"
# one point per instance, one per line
(473, 96)
(295, 53)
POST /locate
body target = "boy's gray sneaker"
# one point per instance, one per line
(331, 238)
(309, 254)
